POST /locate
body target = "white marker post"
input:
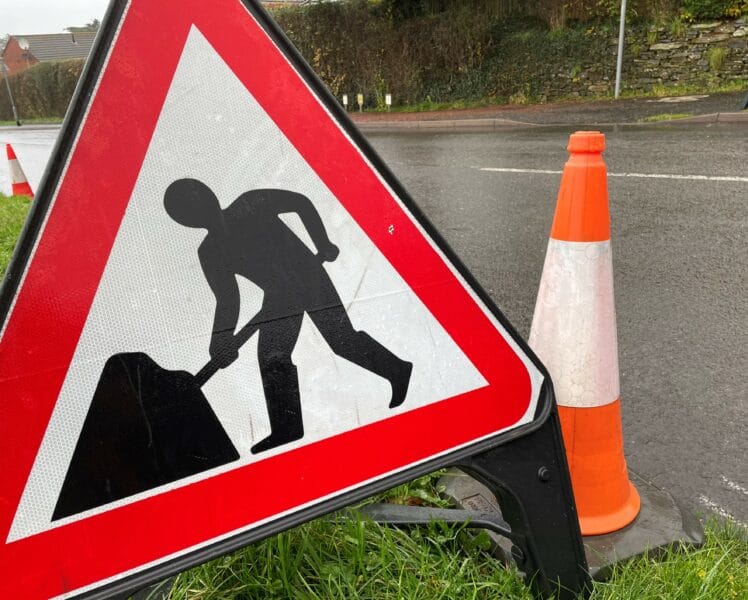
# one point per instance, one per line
(619, 58)
(345, 102)
(6, 75)
(360, 100)
(388, 101)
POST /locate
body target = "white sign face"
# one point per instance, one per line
(154, 297)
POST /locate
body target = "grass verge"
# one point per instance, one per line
(430, 106)
(361, 559)
(13, 211)
(716, 571)
(664, 117)
(364, 560)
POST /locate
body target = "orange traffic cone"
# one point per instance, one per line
(574, 334)
(20, 185)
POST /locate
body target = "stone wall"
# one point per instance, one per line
(702, 54)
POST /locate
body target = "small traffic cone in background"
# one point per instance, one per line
(574, 334)
(20, 185)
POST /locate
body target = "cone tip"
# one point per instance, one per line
(9, 151)
(586, 142)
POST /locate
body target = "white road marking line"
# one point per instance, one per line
(736, 487)
(714, 507)
(635, 175)
(686, 177)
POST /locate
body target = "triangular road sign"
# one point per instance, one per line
(205, 180)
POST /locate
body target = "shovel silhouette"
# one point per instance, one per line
(146, 427)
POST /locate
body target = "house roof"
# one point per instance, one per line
(58, 46)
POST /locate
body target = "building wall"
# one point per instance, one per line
(702, 55)
(17, 59)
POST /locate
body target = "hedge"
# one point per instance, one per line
(42, 91)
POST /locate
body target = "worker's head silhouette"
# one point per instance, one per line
(192, 203)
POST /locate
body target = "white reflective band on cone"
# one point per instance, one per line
(574, 325)
(16, 173)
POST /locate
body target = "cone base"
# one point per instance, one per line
(22, 189)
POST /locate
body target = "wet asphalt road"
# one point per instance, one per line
(680, 260)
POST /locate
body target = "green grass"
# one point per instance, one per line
(664, 117)
(356, 560)
(12, 215)
(360, 559)
(716, 571)
(34, 121)
(716, 57)
(364, 560)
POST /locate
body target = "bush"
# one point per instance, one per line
(716, 57)
(377, 54)
(712, 9)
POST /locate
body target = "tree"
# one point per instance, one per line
(91, 26)
(405, 9)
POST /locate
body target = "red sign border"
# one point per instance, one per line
(91, 141)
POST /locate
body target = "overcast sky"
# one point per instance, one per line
(48, 16)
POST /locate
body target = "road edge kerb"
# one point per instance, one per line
(726, 117)
(34, 127)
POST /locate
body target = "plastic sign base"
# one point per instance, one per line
(662, 524)
(529, 476)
